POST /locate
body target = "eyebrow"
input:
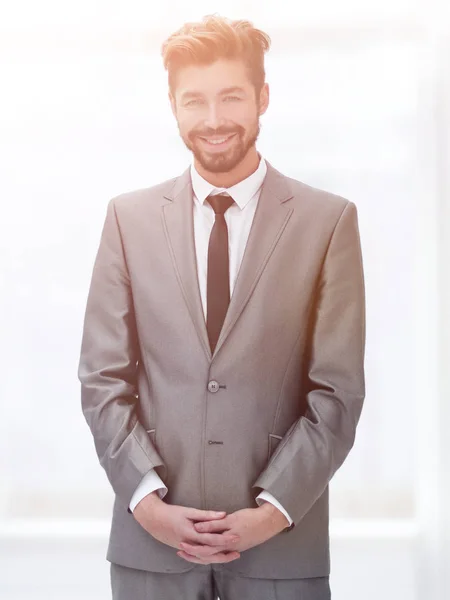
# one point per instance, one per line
(231, 90)
(223, 92)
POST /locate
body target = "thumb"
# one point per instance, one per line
(205, 515)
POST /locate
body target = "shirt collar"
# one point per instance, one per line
(241, 192)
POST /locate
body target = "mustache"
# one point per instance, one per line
(207, 132)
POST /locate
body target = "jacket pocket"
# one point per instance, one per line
(274, 440)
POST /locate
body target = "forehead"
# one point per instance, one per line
(213, 78)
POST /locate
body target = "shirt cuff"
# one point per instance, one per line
(269, 498)
(148, 484)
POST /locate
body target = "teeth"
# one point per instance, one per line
(221, 141)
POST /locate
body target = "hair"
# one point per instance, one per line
(215, 38)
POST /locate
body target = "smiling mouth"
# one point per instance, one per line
(217, 141)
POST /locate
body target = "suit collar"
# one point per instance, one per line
(242, 192)
(274, 180)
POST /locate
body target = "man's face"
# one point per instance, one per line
(217, 112)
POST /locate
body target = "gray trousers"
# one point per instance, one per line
(210, 582)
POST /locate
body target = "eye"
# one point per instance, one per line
(232, 98)
(193, 102)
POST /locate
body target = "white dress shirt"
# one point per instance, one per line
(239, 218)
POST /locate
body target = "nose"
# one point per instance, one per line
(214, 118)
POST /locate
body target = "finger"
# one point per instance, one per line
(190, 558)
(216, 558)
(213, 539)
(211, 526)
(198, 551)
(205, 515)
(223, 557)
(202, 551)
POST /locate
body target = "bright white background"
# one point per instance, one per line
(360, 106)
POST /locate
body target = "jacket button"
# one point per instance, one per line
(213, 386)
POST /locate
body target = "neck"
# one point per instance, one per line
(240, 172)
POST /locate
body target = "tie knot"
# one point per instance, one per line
(220, 203)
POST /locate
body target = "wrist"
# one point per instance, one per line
(274, 514)
(149, 501)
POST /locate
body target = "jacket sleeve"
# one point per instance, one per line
(150, 482)
(108, 365)
(316, 444)
(266, 497)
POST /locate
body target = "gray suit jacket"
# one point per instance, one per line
(275, 407)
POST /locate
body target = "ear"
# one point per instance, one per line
(264, 99)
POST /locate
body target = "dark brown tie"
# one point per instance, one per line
(218, 279)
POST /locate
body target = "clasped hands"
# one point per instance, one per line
(205, 536)
(243, 529)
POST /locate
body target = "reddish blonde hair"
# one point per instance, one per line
(216, 38)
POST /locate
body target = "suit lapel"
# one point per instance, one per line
(270, 219)
(179, 229)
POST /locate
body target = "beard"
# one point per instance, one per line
(222, 162)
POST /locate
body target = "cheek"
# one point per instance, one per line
(185, 126)
(189, 121)
(244, 116)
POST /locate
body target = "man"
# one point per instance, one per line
(223, 347)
